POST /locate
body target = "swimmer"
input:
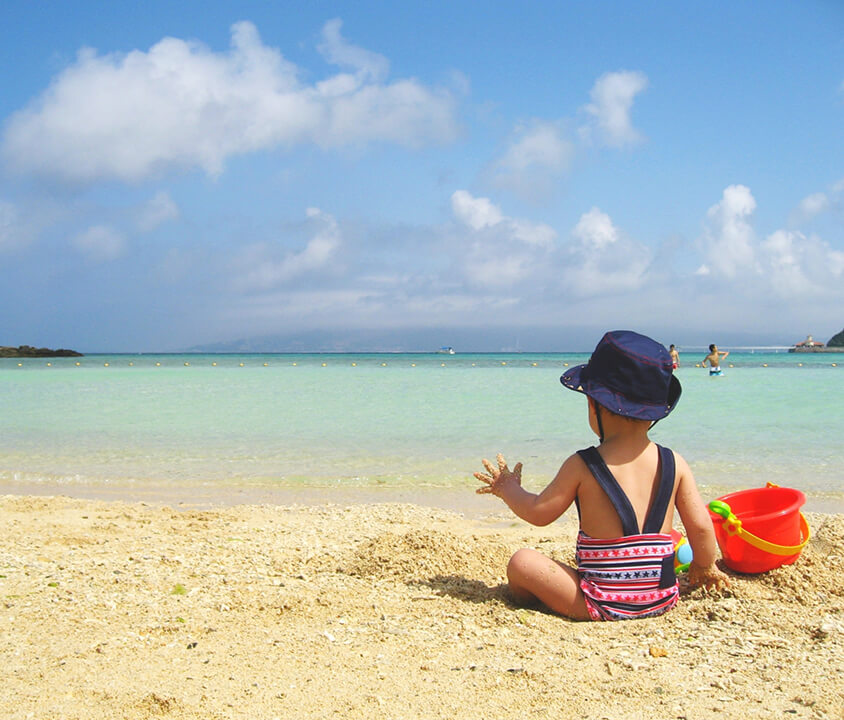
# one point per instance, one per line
(714, 359)
(675, 357)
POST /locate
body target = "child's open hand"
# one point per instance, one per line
(497, 480)
(709, 577)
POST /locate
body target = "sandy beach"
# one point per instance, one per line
(137, 610)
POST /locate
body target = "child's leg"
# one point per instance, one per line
(534, 576)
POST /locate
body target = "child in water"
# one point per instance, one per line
(625, 491)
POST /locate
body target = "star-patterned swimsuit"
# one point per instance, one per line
(630, 576)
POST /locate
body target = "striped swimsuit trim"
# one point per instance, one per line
(621, 577)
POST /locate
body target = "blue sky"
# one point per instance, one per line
(370, 175)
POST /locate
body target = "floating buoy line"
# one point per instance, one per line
(384, 364)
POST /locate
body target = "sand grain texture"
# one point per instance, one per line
(122, 610)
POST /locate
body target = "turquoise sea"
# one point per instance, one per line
(390, 425)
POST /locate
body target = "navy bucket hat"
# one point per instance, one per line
(629, 374)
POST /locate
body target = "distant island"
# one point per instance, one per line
(27, 351)
(810, 345)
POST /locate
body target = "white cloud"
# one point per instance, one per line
(538, 155)
(337, 51)
(813, 205)
(834, 263)
(602, 261)
(404, 112)
(797, 265)
(501, 249)
(537, 234)
(596, 230)
(480, 214)
(728, 240)
(100, 243)
(786, 273)
(612, 100)
(787, 263)
(477, 213)
(299, 308)
(159, 210)
(496, 269)
(818, 203)
(456, 305)
(264, 272)
(181, 105)
(541, 146)
(540, 152)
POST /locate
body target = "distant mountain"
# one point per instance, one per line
(341, 341)
(464, 340)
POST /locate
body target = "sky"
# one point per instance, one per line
(400, 176)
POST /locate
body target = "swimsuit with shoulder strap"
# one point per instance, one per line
(630, 576)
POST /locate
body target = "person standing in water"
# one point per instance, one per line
(714, 359)
(675, 357)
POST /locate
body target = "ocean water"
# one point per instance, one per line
(143, 424)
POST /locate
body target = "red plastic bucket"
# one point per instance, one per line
(772, 515)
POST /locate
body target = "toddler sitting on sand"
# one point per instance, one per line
(625, 491)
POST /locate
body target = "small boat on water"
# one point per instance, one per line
(446, 350)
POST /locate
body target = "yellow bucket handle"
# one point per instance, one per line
(732, 525)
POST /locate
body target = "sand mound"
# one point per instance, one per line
(422, 555)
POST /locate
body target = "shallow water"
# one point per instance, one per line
(408, 422)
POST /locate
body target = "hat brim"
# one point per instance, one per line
(578, 380)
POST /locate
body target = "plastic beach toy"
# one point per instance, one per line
(682, 552)
(760, 529)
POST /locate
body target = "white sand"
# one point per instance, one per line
(130, 610)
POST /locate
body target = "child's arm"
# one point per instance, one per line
(540, 509)
(699, 530)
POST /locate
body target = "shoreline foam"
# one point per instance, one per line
(211, 496)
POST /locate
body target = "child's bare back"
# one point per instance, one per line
(626, 490)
